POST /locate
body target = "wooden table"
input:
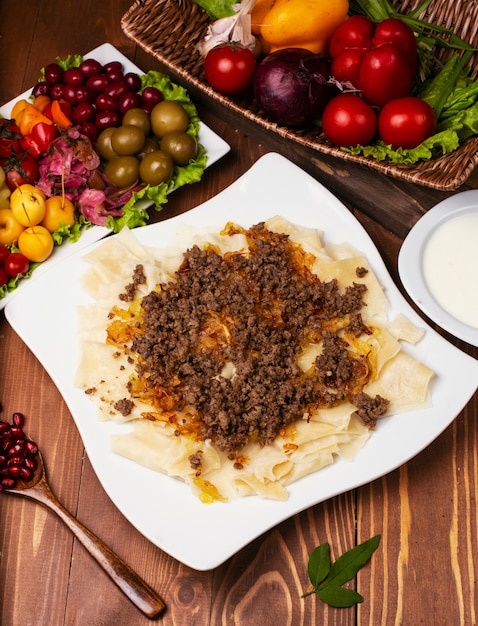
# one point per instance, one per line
(426, 568)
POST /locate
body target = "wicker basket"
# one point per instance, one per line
(171, 29)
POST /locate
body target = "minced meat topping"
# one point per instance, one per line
(224, 338)
(130, 290)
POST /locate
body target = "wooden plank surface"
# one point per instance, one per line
(426, 567)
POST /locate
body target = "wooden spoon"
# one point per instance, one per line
(134, 587)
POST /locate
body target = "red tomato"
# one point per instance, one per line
(346, 66)
(396, 32)
(349, 121)
(16, 263)
(355, 32)
(3, 277)
(230, 69)
(406, 122)
(4, 252)
(20, 170)
(385, 74)
(10, 137)
(380, 60)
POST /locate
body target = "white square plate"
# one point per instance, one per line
(215, 147)
(164, 509)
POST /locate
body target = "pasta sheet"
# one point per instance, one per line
(306, 446)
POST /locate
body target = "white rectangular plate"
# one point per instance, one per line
(215, 147)
(164, 509)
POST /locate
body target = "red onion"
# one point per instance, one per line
(291, 86)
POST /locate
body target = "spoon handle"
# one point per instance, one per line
(132, 585)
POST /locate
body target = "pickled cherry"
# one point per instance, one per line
(90, 67)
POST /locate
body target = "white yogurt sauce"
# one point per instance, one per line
(450, 265)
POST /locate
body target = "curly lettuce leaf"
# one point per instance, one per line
(72, 60)
(71, 233)
(135, 212)
(464, 123)
(436, 145)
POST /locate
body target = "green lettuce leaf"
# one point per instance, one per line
(217, 8)
(438, 144)
(71, 233)
(464, 123)
(462, 97)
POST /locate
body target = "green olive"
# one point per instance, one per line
(103, 144)
(150, 145)
(156, 167)
(123, 171)
(127, 140)
(181, 146)
(138, 117)
(167, 116)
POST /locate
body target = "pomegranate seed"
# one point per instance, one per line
(17, 432)
(18, 419)
(17, 453)
(31, 448)
(15, 450)
(30, 464)
(6, 443)
(16, 460)
(14, 471)
(26, 474)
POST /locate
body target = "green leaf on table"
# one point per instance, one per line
(339, 597)
(319, 564)
(327, 579)
(347, 566)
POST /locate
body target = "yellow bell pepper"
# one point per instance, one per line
(18, 109)
(41, 103)
(305, 24)
(26, 115)
(30, 116)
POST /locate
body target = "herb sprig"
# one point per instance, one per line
(327, 578)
